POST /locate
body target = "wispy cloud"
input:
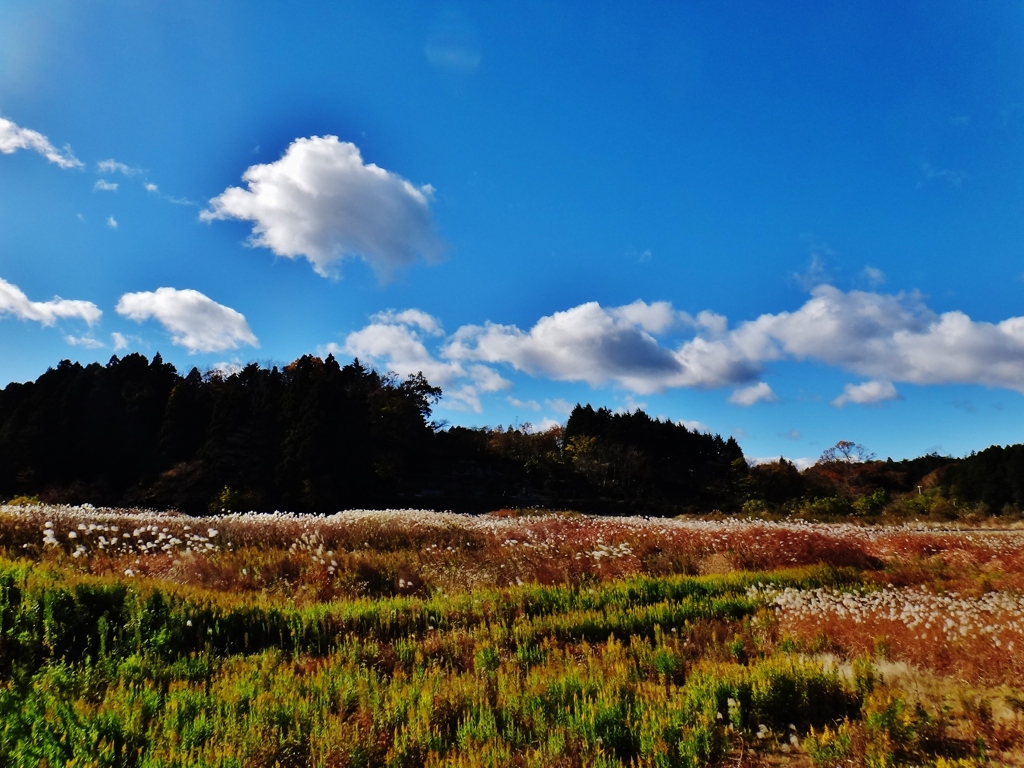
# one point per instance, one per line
(453, 45)
(102, 185)
(87, 342)
(111, 222)
(558, 405)
(873, 276)
(531, 405)
(113, 166)
(931, 173)
(322, 202)
(14, 137)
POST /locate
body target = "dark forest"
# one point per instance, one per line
(317, 436)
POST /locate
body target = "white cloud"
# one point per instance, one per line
(487, 379)
(816, 273)
(873, 275)
(716, 325)
(320, 201)
(88, 342)
(453, 45)
(226, 369)
(653, 318)
(532, 405)
(112, 166)
(150, 187)
(558, 405)
(868, 393)
(13, 301)
(402, 349)
(544, 425)
(693, 425)
(102, 185)
(890, 338)
(586, 343)
(119, 341)
(931, 173)
(427, 323)
(887, 338)
(112, 222)
(395, 340)
(629, 405)
(756, 393)
(195, 321)
(14, 137)
(801, 462)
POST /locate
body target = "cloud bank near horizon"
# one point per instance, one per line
(884, 338)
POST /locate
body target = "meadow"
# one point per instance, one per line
(521, 638)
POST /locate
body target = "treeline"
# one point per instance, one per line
(310, 436)
(318, 436)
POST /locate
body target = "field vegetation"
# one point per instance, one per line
(412, 638)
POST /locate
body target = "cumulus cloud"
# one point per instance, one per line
(868, 393)
(395, 340)
(102, 185)
(194, 321)
(646, 348)
(401, 347)
(111, 222)
(13, 301)
(890, 338)
(427, 323)
(586, 343)
(322, 202)
(119, 341)
(14, 137)
(756, 393)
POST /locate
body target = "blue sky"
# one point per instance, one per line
(791, 223)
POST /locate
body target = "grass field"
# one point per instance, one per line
(410, 638)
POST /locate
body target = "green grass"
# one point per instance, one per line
(102, 672)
